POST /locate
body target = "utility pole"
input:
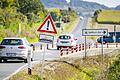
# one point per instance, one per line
(19, 29)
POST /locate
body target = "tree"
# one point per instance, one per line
(7, 3)
(30, 6)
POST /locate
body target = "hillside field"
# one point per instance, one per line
(109, 16)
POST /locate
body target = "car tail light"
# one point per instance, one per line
(2, 47)
(21, 47)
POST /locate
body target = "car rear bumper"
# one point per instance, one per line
(16, 56)
(65, 46)
(5, 57)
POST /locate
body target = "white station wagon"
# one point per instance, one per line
(15, 48)
(66, 40)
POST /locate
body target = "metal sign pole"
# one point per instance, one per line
(102, 49)
(43, 59)
(50, 28)
(85, 48)
(114, 35)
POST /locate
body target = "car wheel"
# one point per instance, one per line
(5, 60)
(0, 60)
(25, 61)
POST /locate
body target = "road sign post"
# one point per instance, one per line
(85, 48)
(47, 27)
(95, 32)
(114, 35)
(102, 50)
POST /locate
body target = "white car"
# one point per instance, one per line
(81, 17)
(66, 40)
(15, 48)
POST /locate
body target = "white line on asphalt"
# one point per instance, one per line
(7, 78)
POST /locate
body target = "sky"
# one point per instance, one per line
(109, 3)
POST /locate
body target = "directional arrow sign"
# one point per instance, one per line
(94, 32)
(48, 26)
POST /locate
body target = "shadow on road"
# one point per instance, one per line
(11, 61)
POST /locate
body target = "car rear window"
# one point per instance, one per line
(12, 42)
(65, 37)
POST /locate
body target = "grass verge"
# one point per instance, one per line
(91, 68)
(109, 16)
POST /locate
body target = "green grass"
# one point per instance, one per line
(91, 68)
(31, 32)
(106, 19)
(109, 16)
(70, 25)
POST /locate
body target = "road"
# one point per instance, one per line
(11, 66)
(82, 24)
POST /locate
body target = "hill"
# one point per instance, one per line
(117, 8)
(54, 3)
(109, 17)
(88, 5)
(82, 5)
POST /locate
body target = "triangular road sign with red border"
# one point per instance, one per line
(47, 26)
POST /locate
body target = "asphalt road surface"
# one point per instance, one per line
(11, 66)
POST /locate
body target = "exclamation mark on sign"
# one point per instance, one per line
(48, 25)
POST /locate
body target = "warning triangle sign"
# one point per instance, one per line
(47, 26)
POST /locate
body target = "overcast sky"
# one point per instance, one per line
(109, 3)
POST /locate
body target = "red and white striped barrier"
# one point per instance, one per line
(89, 45)
(72, 49)
(107, 45)
(76, 48)
(79, 47)
(61, 51)
(67, 50)
(41, 47)
(82, 46)
(116, 44)
(96, 45)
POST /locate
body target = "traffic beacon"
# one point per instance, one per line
(47, 31)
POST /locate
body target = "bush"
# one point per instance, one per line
(114, 70)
